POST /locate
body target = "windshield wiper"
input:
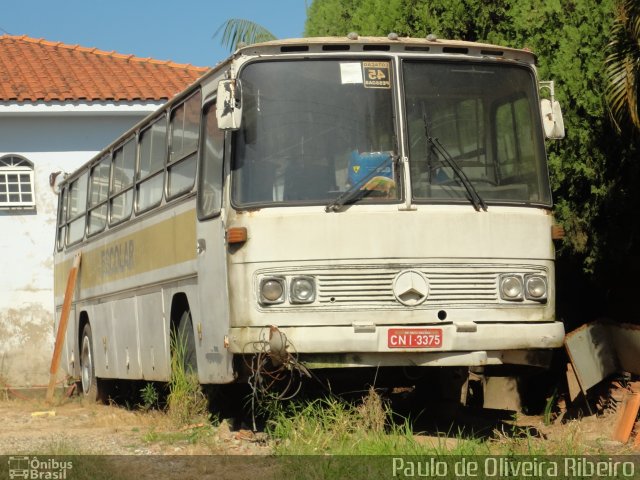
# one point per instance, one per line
(474, 196)
(354, 191)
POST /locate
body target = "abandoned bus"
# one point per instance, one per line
(333, 203)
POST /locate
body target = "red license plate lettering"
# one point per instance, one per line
(414, 338)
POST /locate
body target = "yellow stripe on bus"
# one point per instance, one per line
(164, 244)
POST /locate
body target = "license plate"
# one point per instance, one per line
(414, 338)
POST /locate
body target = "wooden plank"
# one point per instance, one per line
(62, 326)
(627, 418)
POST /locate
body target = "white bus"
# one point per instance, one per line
(335, 203)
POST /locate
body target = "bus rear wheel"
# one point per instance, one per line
(93, 389)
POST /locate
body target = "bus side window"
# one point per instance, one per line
(124, 161)
(153, 149)
(98, 194)
(62, 218)
(185, 129)
(211, 165)
(77, 209)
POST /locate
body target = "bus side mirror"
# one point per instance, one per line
(552, 121)
(229, 104)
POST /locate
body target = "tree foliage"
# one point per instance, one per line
(593, 171)
(237, 30)
(623, 65)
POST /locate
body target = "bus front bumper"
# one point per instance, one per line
(468, 344)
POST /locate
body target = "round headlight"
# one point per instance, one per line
(303, 290)
(272, 289)
(536, 287)
(511, 287)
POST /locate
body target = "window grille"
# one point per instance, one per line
(16, 182)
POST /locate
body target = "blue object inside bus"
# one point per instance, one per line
(361, 165)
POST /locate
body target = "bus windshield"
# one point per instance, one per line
(312, 130)
(486, 119)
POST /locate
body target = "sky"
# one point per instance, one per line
(179, 30)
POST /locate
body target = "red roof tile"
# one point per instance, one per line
(34, 70)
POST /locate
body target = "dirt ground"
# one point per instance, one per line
(114, 442)
(74, 427)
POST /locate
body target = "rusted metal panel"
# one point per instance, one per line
(599, 349)
(592, 353)
(626, 340)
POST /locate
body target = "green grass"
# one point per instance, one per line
(191, 436)
(149, 396)
(186, 403)
(349, 440)
(549, 406)
(333, 426)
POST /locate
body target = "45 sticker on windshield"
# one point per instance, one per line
(376, 74)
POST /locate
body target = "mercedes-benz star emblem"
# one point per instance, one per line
(410, 287)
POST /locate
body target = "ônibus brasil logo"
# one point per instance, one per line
(34, 468)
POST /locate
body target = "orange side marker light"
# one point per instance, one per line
(557, 232)
(236, 235)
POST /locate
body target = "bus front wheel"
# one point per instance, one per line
(92, 388)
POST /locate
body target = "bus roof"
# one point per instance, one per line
(356, 43)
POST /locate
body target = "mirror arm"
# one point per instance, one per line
(229, 104)
(551, 86)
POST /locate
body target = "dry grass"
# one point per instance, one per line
(586, 436)
(110, 416)
(373, 413)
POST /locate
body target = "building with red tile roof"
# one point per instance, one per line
(36, 70)
(59, 105)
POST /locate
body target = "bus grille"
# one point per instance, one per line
(447, 285)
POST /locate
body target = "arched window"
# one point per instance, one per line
(16, 182)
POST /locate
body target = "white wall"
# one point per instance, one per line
(52, 143)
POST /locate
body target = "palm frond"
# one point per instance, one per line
(236, 30)
(622, 66)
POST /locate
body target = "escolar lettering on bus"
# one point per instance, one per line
(117, 258)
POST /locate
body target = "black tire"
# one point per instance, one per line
(92, 388)
(185, 334)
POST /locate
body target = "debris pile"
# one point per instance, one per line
(605, 368)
